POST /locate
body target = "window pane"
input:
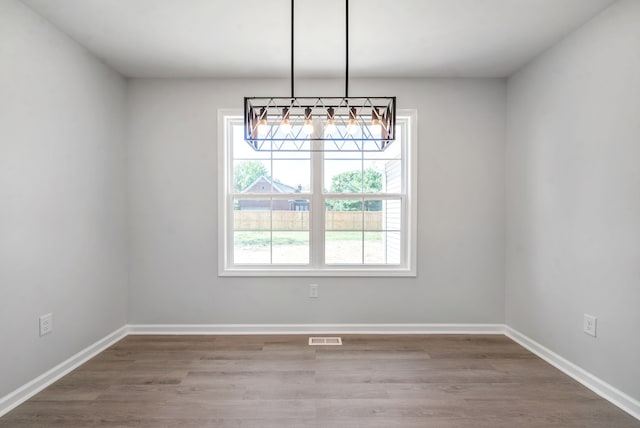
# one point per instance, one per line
(373, 215)
(252, 247)
(382, 214)
(373, 247)
(392, 245)
(343, 176)
(343, 247)
(252, 176)
(241, 149)
(393, 150)
(343, 155)
(343, 223)
(382, 247)
(290, 214)
(291, 155)
(290, 247)
(343, 214)
(383, 176)
(251, 214)
(291, 176)
(392, 215)
(373, 177)
(254, 219)
(252, 236)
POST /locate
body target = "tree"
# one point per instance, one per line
(245, 173)
(370, 181)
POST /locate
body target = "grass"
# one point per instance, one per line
(264, 238)
(259, 238)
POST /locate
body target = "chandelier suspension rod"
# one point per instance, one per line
(346, 73)
(292, 93)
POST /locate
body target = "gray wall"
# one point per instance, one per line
(573, 198)
(62, 196)
(174, 201)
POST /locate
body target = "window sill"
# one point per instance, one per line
(337, 272)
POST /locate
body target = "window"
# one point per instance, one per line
(314, 214)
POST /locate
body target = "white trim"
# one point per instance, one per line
(597, 385)
(28, 390)
(411, 156)
(223, 183)
(316, 329)
(337, 270)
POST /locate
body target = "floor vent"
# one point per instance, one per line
(325, 341)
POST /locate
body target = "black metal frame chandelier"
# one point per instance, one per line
(324, 124)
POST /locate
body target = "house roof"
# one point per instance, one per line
(277, 186)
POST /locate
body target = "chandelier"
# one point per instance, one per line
(324, 124)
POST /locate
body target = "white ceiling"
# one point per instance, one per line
(251, 38)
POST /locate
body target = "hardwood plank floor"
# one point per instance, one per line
(279, 381)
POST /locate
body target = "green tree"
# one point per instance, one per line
(245, 173)
(369, 181)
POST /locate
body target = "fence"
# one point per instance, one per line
(299, 220)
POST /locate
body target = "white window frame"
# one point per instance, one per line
(407, 267)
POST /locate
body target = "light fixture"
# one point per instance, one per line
(352, 123)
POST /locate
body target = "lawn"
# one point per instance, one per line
(298, 238)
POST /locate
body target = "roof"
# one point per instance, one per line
(277, 186)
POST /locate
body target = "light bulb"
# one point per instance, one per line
(375, 127)
(330, 127)
(262, 123)
(375, 121)
(352, 125)
(352, 128)
(285, 125)
(307, 128)
(263, 126)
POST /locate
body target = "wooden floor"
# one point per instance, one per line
(280, 381)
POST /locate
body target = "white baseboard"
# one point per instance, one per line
(22, 394)
(597, 385)
(316, 329)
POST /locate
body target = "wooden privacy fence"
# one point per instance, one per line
(299, 220)
(352, 220)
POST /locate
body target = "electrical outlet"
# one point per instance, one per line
(313, 291)
(590, 324)
(46, 324)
